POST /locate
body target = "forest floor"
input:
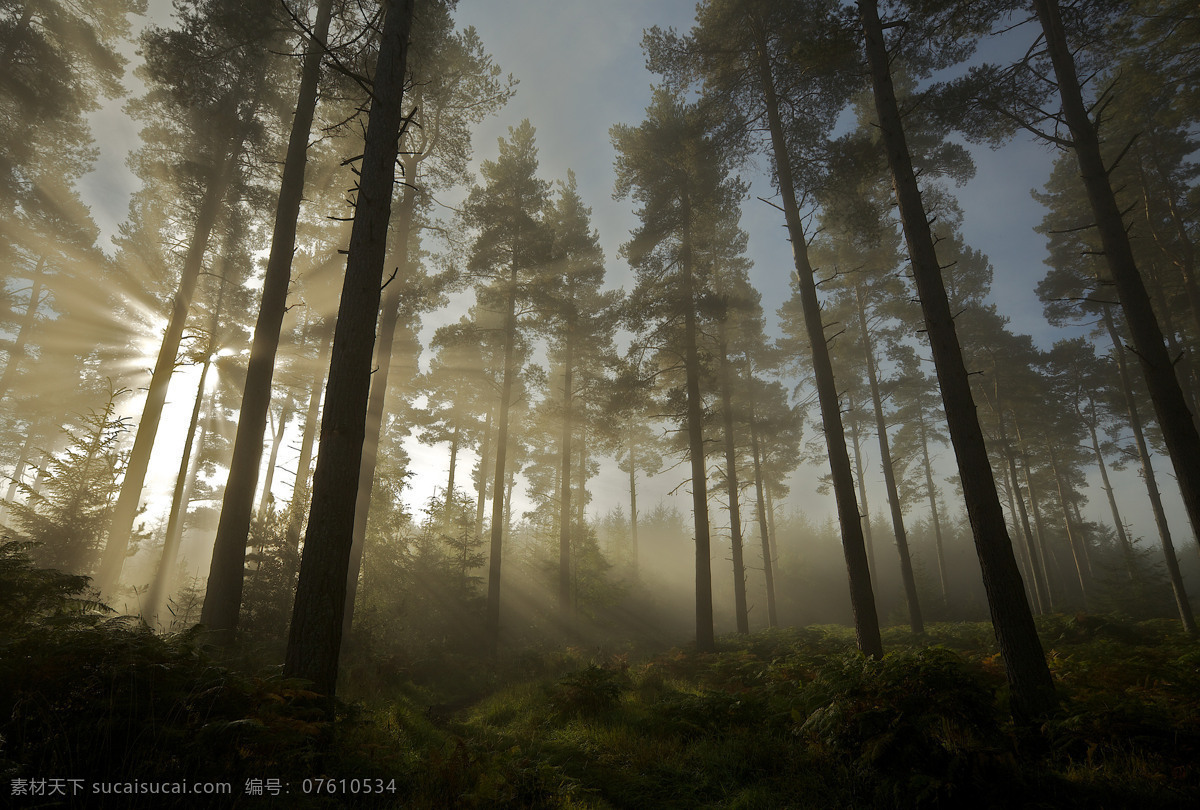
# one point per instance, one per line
(777, 719)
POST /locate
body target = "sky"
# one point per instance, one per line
(581, 70)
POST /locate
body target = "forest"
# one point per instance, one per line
(383, 428)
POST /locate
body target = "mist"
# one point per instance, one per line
(421, 403)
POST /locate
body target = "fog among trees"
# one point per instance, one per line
(475, 457)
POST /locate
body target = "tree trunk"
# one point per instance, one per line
(564, 505)
(1074, 539)
(915, 620)
(315, 637)
(763, 529)
(862, 597)
(1152, 493)
(1047, 556)
(156, 598)
(389, 316)
(633, 513)
(1016, 506)
(222, 601)
(1034, 543)
(498, 489)
(931, 492)
(264, 503)
(126, 509)
(1025, 661)
(481, 479)
(741, 612)
(1174, 417)
(446, 508)
(1106, 485)
(300, 489)
(705, 637)
(771, 522)
(861, 478)
(17, 352)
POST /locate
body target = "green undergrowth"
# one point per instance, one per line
(799, 719)
(779, 719)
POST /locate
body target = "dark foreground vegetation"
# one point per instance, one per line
(782, 718)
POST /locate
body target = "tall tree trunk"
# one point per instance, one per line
(1106, 485)
(1049, 560)
(1174, 417)
(763, 529)
(633, 513)
(492, 625)
(771, 521)
(564, 504)
(915, 620)
(300, 488)
(264, 503)
(481, 487)
(316, 630)
(1025, 661)
(223, 599)
(732, 490)
(446, 508)
(388, 318)
(1034, 543)
(931, 493)
(862, 597)
(126, 509)
(861, 478)
(17, 352)
(156, 598)
(188, 469)
(1182, 603)
(705, 637)
(1074, 539)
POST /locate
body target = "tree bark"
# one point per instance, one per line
(1025, 661)
(1174, 417)
(316, 630)
(388, 319)
(222, 600)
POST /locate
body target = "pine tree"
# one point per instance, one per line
(677, 170)
(314, 640)
(1025, 661)
(511, 246)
